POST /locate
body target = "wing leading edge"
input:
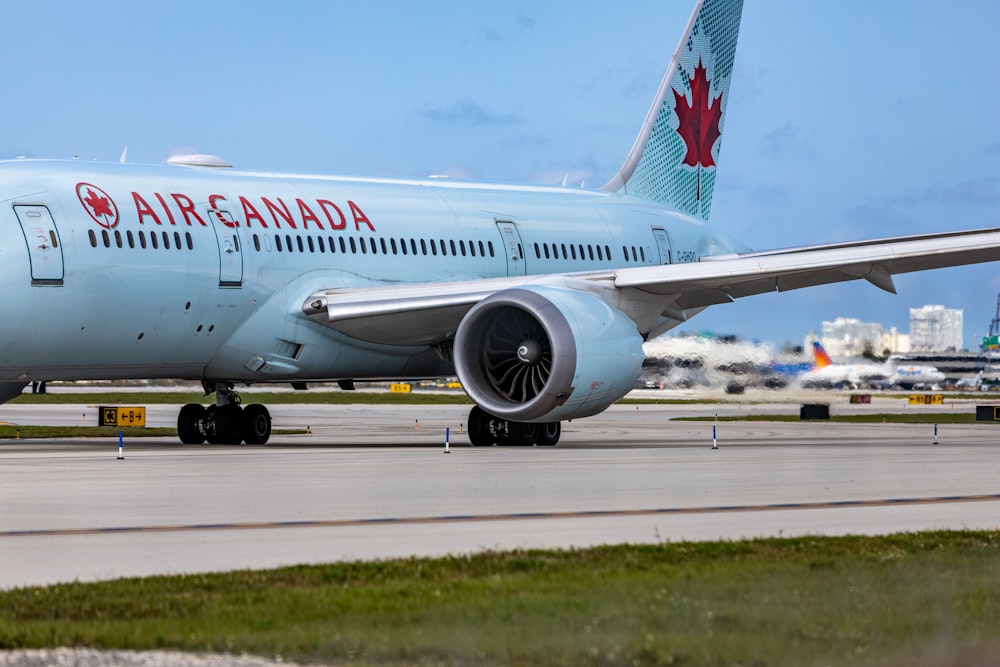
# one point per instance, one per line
(653, 296)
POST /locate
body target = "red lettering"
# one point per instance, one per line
(307, 215)
(170, 216)
(213, 207)
(250, 213)
(323, 203)
(359, 216)
(142, 209)
(187, 208)
(275, 212)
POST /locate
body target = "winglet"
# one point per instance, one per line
(673, 159)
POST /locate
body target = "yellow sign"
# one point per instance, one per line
(399, 388)
(120, 415)
(926, 399)
(454, 385)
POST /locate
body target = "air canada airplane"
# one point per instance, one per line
(538, 298)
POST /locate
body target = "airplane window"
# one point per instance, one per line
(319, 240)
(538, 252)
(590, 251)
(385, 250)
(256, 242)
(599, 255)
(472, 248)
(142, 239)
(130, 238)
(572, 250)
(106, 238)
(93, 238)
(402, 245)
(153, 241)
(607, 252)
(301, 245)
(277, 242)
(371, 242)
(423, 246)
(555, 251)
(354, 246)
(482, 250)
(177, 241)
(625, 250)
(333, 245)
(413, 246)
(564, 253)
(635, 258)
(642, 252)
(434, 247)
(545, 247)
(364, 246)
(581, 251)
(520, 253)
(166, 241)
(312, 246)
(343, 246)
(461, 245)
(392, 244)
(118, 238)
(454, 251)
(190, 241)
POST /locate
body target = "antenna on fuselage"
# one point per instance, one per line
(121, 160)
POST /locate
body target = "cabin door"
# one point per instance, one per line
(230, 249)
(512, 245)
(662, 244)
(44, 249)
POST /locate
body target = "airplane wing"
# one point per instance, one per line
(430, 313)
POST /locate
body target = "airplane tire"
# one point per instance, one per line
(479, 434)
(548, 433)
(189, 424)
(521, 434)
(258, 424)
(229, 425)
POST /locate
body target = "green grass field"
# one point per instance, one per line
(925, 598)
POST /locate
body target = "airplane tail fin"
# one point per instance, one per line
(820, 356)
(673, 159)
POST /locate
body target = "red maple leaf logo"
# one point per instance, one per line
(699, 121)
(99, 205)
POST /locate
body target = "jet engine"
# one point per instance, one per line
(543, 353)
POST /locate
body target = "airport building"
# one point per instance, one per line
(935, 329)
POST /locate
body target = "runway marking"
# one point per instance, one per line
(517, 516)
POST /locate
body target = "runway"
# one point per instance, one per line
(374, 482)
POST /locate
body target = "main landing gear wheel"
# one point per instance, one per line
(486, 430)
(225, 423)
(258, 424)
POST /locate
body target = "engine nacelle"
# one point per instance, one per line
(542, 353)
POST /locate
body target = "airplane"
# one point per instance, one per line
(827, 374)
(538, 298)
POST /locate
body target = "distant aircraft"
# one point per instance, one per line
(538, 298)
(826, 373)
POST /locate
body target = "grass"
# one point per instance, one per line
(805, 601)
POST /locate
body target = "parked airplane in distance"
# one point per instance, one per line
(538, 298)
(827, 374)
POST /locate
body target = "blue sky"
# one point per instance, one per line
(846, 120)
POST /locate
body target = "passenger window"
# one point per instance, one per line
(402, 245)
(166, 241)
(298, 241)
(572, 250)
(256, 243)
(319, 242)
(93, 238)
(590, 251)
(372, 244)
(190, 241)
(392, 244)
(354, 246)
(277, 242)
(288, 243)
(453, 251)
(364, 248)
(177, 241)
(545, 247)
(118, 238)
(142, 239)
(385, 251)
(642, 253)
(153, 241)
(520, 253)
(434, 247)
(472, 248)
(635, 257)
(625, 252)
(413, 246)
(538, 252)
(343, 246)
(482, 251)
(461, 245)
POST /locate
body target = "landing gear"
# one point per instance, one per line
(226, 422)
(486, 430)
